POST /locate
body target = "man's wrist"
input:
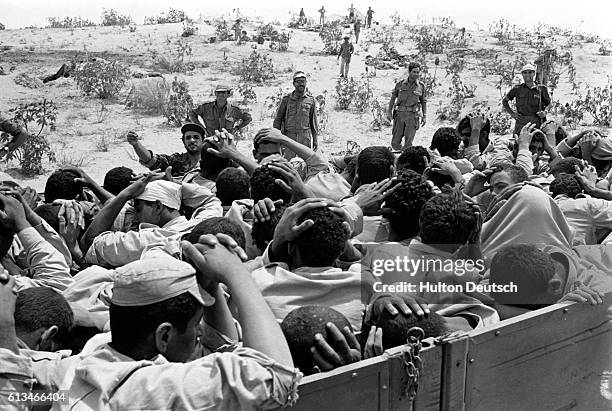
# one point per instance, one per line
(21, 225)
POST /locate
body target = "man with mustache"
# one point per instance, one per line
(219, 114)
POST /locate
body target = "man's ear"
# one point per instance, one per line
(45, 343)
(163, 336)
(555, 285)
(159, 207)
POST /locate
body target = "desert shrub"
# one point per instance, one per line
(41, 115)
(68, 22)
(605, 48)
(430, 41)
(379, 113)
(506, 70)
(102, 144)
(331, 35)
(346, 88)
(280, 42)
(175, 60)
(256, 68)
(273, 102)
(179, 103)
(501, 122)
(149, 96)
(458, 92)
(110, 17)
(321, 108)
(363, 96)
(222, 30)
(189, 28)
(248, 94)
(396, 18)
(455, 65)
(172, 16)
(101, 78)
(267, 30)
(596, 101)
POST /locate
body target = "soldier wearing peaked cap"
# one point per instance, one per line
(297, 115)
(220, 114)
(532, 100)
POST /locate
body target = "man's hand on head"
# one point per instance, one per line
(340, 348)
(12, 214)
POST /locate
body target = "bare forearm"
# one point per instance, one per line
(103, 220)
(8, 336)
(142, 152)
(300, 150)
(507, 107)
(219, 316)
(259, 327)
(248, 164)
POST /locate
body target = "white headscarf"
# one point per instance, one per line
(166, 192)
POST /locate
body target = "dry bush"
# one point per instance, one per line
(101, 78)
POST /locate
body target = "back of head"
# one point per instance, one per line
(232, 184)
(210, 163)
(447, 219)
(263, 185)
(61, 185)
(516, 173)
(395, 327)
(300, 327)
(217, 225)
(132, 325)
(446, 140)
(49, 213)
(412, 158)
(527, 267)
(321, 244)
(566, 165)
(565, 184)
(262, 232)
(374, 164)
(406, 203)
(43, 307)
(117, 179)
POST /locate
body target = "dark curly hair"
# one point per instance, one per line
(374, 164)
(321, 244)
(262, 232)
(300, 327)
(406, 202)
(209, 162)
(263, 185)
(566, 184)
(446, 140)
(527, 267)
(516, 173)
(61, 185)
(216, 225)
(117, 179)
(566, 165)
(232, 184)
(447, 219)
(131, 326)
(412, 158)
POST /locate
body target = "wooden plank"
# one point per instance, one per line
(428, 393)
(551, 359)
(452, 396)
(352, 387)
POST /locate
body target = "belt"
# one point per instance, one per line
(414, 108)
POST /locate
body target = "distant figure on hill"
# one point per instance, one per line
(357, 28)
(302, 17)
(237, 30)
(369, 17)
(346, 51)
(322, 16)
(351, 13)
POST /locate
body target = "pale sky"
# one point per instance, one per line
(587, 15)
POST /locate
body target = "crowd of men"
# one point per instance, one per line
(217, 279)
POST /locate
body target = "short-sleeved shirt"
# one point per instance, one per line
(346, 50)
(216, 118)
(529, 100)
(408, 94)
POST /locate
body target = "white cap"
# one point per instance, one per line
(166, 192)
(528, 67)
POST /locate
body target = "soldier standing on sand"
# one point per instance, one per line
(409, 99)
(237, 31)
(302, 17)
(369, 17)
(220, 114)
(297, 115)
(532, 99)
(351, 13)
(357, 28)
(322, 16)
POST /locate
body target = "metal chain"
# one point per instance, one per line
(412, 362)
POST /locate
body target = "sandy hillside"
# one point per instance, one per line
(82, 123)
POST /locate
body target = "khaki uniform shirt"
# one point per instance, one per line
(408, 94)
(216, 118)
